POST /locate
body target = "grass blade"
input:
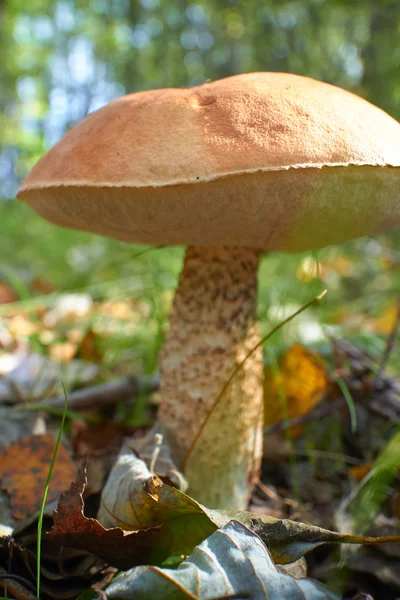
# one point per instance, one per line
(45, 492)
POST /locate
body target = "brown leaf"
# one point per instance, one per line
(24, 466)
(88, 348)
(122, 549)
(7, 294)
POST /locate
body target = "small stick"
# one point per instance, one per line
(105, 394)
(321, 411)
(158, 440)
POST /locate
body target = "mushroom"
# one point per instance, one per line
(232, 168)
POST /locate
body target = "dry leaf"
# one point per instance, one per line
(7, 294)
(23, 470)
(231, 563)
(294, 389)
(124, 549)
(88, 348)
(360, 471)
(130, 496)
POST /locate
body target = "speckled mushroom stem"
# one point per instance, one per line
(213, 327)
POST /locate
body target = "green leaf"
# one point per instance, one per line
(232, 563)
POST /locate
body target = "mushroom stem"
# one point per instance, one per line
(215, 438)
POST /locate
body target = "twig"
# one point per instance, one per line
(105, 394)
(322, 410)
(355, 353)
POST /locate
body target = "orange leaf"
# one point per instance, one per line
(360, 471)
(23, 471)
(292, 390)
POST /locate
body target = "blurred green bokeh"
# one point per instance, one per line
(61, 59)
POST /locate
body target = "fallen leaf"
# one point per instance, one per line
(135, 499)
(358, 472)
(232, 563)
(88, 348)
(7, 294)
(101, 442)
(295, 387)
(173, 524)
(35, 376)
(24, 466)
(290, 540)
(153, 447)
(124, 549)
(42, 287)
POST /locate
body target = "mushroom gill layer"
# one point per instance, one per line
(216, 439)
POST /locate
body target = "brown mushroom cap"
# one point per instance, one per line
(265, 160)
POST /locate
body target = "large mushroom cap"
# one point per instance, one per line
(266, 160)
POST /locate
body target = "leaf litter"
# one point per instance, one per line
(376, 398)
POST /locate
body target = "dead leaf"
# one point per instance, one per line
(7, 294)
(124, 549)
(88, 348)
(130, 498)
(23, 470)
(231, 563)
(134, 499)
(41, 286)
(173, 524)
(35, 376)
(292, 390)
(101, 442)
(153, 447)
(358, 472)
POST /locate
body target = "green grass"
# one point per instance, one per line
(45, 492)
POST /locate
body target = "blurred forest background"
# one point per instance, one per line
(60, 60)
(66, 294)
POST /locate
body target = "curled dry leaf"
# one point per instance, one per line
(231, 563)
(295, 387)
(24, 466)
(153, 448)
(127, 499)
